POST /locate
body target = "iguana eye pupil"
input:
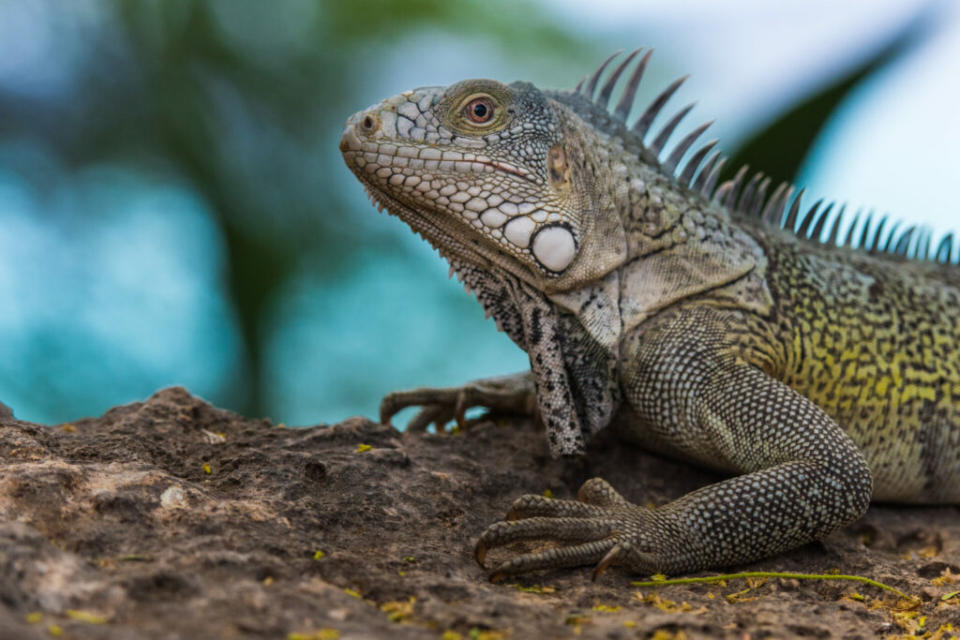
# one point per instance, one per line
(479, 110)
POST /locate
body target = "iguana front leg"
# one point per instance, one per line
(539, 329)
(511, 394)
(803, 477)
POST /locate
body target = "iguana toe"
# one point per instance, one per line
(599, 492)
(543, 528)
(553, 558)
(533, 505)
(435, 414)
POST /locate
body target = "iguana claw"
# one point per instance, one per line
(605, 562)
(480, 553)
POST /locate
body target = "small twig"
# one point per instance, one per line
(771, 574)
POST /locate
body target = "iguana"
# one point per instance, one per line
(715, 324)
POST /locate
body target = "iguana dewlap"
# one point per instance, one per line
(716, 324)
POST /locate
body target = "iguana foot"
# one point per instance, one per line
(503, 394)
(600, 527)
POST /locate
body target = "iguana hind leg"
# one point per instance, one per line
(801, 475)
(512, 394)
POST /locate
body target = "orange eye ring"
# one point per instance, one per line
(480, 110)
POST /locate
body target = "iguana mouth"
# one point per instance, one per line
(446, 165)
(508, 168)
(393, 154)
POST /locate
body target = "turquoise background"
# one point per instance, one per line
(174, 209)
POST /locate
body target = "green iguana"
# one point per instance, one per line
(710, 323)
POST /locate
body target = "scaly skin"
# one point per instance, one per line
(874, 343)
(696, 322)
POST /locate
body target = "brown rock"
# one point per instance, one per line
(172, 519)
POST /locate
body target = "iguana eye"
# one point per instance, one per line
(479, 110)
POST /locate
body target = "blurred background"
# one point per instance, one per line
(174, 209)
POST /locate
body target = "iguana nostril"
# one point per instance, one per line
(369, 124)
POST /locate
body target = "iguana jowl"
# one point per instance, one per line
(709, 323)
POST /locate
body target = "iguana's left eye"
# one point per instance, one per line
(479, 110)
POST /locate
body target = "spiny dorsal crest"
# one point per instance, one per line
(748, 197)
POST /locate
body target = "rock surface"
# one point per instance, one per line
(173, 519)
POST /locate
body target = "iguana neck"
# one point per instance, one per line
(678, 244)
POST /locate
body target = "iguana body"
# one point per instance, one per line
(702, 322)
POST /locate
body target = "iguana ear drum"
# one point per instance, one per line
(557, 165)
(554, 247)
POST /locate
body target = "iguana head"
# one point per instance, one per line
(567, 228)
(495, 176)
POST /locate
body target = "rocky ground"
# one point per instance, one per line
(173, 519)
